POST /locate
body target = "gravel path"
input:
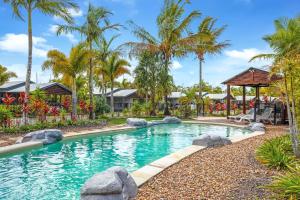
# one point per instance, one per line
(229, 172)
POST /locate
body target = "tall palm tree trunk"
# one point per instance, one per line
(91, 107)
(29, 64)
(153, 105)
(166, 67)
(74, 99)
(293, 130)
(201, 104)
(112, 97)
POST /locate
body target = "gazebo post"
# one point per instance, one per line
(228, 101)
(244, 99)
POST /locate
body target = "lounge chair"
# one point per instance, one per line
(248, 118)
(265, 117)
(237, 117)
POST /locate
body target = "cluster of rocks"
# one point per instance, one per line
(138, 122)
(113, 184)
(46, 136)
(256, 126)
(210, 140)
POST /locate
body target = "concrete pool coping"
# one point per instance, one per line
(145, 173)
(10, 149)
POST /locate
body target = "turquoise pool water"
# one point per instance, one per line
(58, 171)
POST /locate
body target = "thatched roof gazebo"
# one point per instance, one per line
(251, 77)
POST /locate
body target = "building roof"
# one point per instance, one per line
(240, 98)
(217, 96)
(11, 85)
(252, 77)
(124, 92)
(51, 88)
(176, 95)
(248, 98)
(97, 90)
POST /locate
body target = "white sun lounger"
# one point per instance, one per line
(238, 117)
(265, 117)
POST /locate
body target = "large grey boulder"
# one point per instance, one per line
(136, 122)
(210, 140)
(47, 136)
(171, 120)
(112, 184)
(257, 127)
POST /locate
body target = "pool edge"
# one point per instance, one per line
(15, 148)
(146, 173)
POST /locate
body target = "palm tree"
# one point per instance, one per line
(208, 46)
(285, 43)
(114, 67)
(102, 52)
(70, 67)
(172, 40)
(147, 77)
(6, 75)
(96, 23)
(49, 7)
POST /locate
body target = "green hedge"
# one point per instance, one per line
(38, 126)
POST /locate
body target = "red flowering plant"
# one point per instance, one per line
(234, 107)
(44, 111)
(66, 103)
(22, 98)
(266, 99)
(8, 99)
(54, 111)
(252, 103)
(218, 107)
(211, 108)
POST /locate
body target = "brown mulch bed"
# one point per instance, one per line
(229, 172)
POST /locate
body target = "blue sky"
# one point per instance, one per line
(247, 21)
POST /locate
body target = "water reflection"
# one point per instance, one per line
(58, 171)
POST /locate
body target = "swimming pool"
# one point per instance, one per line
(59, 170)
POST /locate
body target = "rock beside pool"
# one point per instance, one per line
(257, 127)
(136, 122)
(47, 136)
(210, 140)
(112, 184)
(155, 122)
(171, 120)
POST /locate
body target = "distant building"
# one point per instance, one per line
(123, 98)
(16, 87)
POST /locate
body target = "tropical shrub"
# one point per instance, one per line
(101, 107)
(185, 107)
(43, 125)
(136, 109)
(276, 153)
(287, 186)
(125, 112)
(5, 116)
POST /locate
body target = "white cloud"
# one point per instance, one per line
(20, 70)
(73, 12)
(18, 43)
(245, 54)
(70, 36)
(176, 65)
